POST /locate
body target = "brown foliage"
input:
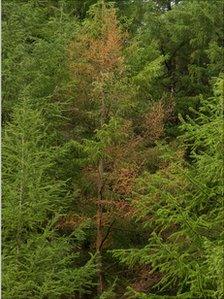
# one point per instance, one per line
(155, 119)
(124, 179)
(94, 58)
(123, 171)
(104, 54)
(154, 122)
(70, 222)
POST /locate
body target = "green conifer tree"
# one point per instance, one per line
(38, 262)
(182, 207)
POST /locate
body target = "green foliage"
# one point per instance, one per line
(34, 53)
(188, 37)
(108, 135)
(110, 293)
(91, 92)
(184, 209)
(37, 260)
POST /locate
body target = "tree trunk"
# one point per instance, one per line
(99, 238)
(100, 228)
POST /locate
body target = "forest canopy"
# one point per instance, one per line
(112, 149)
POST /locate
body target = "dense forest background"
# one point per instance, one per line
(112, 119)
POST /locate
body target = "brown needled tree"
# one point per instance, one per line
(96, 65)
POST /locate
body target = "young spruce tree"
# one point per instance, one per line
(182, 207)
(37, 261)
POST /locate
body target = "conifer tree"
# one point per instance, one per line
(180, 48)
(91, 160)
(182, 207)
(34, 54)
(38, 262)
(96, 64)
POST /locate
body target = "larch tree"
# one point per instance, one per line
(97, 67)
